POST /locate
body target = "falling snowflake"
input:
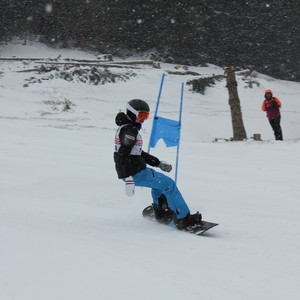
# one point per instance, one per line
(49, 8)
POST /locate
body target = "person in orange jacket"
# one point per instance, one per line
(271, 106)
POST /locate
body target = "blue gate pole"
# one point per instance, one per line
(180, 116)
(157, 105)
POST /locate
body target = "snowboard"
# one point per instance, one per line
(198, 229)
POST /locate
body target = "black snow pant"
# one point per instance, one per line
(275, 123)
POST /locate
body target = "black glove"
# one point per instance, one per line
(272, 104)
(164, 166)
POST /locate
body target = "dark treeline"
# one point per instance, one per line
(256, 34)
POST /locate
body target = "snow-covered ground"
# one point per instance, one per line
(67, 230)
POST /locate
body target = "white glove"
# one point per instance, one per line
(164, 166)
(129, 186)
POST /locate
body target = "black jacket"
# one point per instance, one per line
(127, 164)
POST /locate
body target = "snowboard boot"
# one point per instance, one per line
(163, 213)
(189, 221)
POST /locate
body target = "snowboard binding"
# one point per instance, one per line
(163, 213)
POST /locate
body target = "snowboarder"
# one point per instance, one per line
(131, 166)
(271, 106)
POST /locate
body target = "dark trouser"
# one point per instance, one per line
(275, 123)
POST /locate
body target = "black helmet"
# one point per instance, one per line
(137, 108)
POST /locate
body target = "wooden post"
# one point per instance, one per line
(257, 137)
(239, 132)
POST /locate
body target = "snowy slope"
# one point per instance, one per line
(68, 231)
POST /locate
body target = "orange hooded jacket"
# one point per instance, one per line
(271, 106)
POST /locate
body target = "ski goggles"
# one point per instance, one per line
(141, 115)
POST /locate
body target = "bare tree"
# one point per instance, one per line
(239, 132)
